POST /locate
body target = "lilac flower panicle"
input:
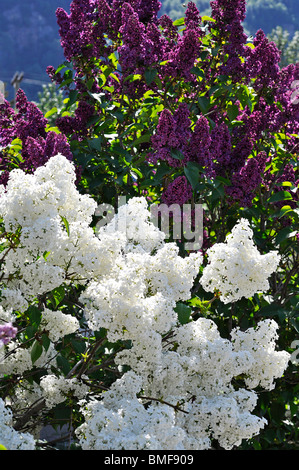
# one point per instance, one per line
(199, 147)
(77, 124)
(220, 148)
(178, 191)
(28, 124)
(262, 62)
(245, 181)
(7, 333)
(192, 15)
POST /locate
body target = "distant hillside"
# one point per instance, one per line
(264, 14)
(29, 39)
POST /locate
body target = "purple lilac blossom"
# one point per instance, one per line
(185, 48)
(228, 16)
(78, 124)
(262, 62)
(178, 191)
(28, 124)
(136, 48)
(7, 333)
(220, 149)
(171, 140)
(199, 145)
(245, 181)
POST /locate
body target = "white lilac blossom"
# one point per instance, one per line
(136, 301)
(58, 324)
(145, 281)
(196, 380)
(267, 363)
(52, 218)
(236, 268)
(57, 389)
(9, 438)
(178, 390)
(6, 315)
(13, 299)
(16, 360)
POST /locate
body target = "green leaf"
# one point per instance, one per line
(179, 22)
(280, 196)
(46, 254)
(184, 313)
(79, 346)
(95, 143)
(177, 154)
(34, 314)
(191, 171)
(204, 104)
(295, 324)
(66, 224)
(284, 234)
(150, 76)
(208, 18)
(198, 72)
(51, 112)
(287, 210)
(143, 138)
(72, 98)
(46, 342)
(2, 447)
(63, 364)
(232, 111)
(272, 310)
(30, 331)
(36, 351)
(58, 295)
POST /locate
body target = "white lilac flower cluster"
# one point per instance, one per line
(178, 392)
(56, 389)
(236, 268)
(56, 241)
(196, 379)
(9, 438)
(16, 360)
(58, 324)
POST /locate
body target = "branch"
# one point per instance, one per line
(32, 410)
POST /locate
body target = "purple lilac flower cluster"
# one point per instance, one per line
(221, 149)
(76, 125)
(178, 191)
(80, 31)
(85, 30)
(228, 16)
(176, 143)
(28, 124)
(262, 62)
(171, 137)
(7, 333)
(187, 47)
(247, 180)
